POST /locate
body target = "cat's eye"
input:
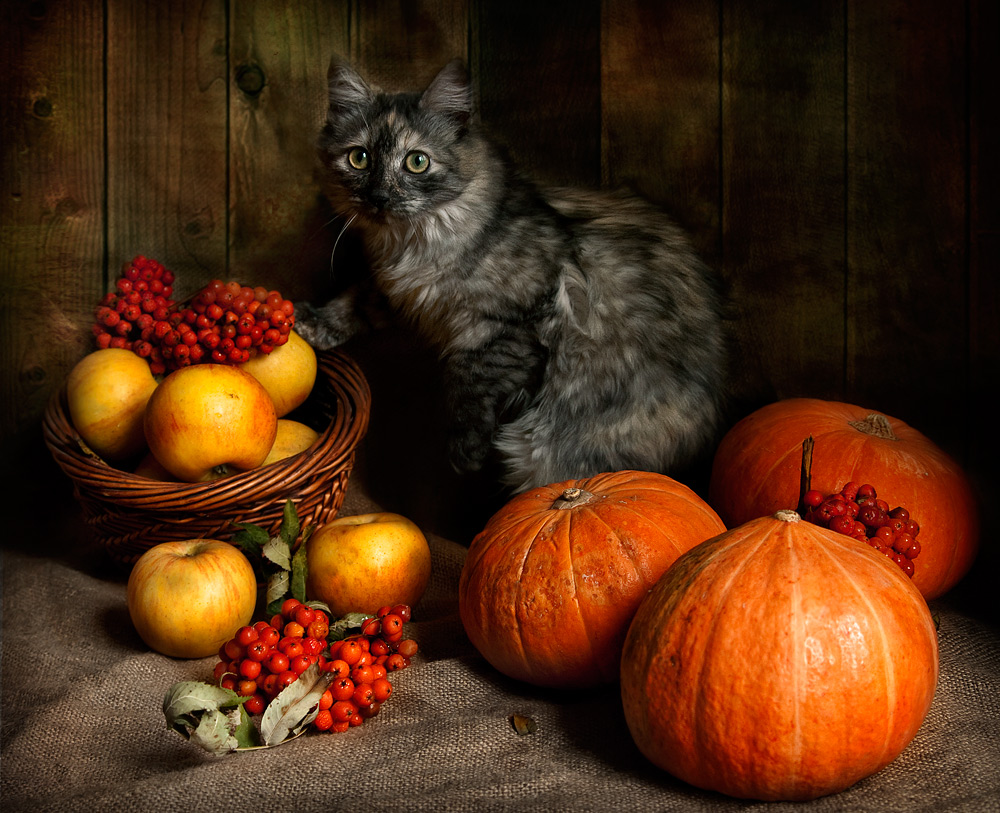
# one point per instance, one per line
(358, 158)
(416, 162)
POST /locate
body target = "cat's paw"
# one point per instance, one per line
(313, 325)
(467, 452)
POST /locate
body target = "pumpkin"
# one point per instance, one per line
(550, 584)
(778, 661)
(756, 471)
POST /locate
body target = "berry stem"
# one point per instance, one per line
(805, 473)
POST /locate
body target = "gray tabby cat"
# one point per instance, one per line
(578, 330)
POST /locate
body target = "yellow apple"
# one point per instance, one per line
(292, 437)
(360, 563)
(151, 468)
(288, 372)
(186, 599)
(106, 393)
(209, 415)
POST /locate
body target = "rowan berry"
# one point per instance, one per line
(350, 652)
(250, 669)
(299, 664)
(381, 689)
(339, 668)
(344, 710)
(292, 647)
(256, 704)
(257, 651)
(304, 615)
(277, 662)
(363, 694)
(342, 688)
(392, 627)
(407, 648)
(323, 720)
(293, 629)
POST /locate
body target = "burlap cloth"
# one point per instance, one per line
(83, 728)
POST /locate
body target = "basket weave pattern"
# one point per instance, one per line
(129, 514)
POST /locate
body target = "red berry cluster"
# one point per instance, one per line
(857, 511)
(125, 317)
(225, 322)
(261, 660)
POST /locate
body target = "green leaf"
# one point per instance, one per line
(300, 569)
(289, 529)
(246, 733)
(250, 538)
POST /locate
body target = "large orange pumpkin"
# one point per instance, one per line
(757, 467)
(779, 661)
(550, 584)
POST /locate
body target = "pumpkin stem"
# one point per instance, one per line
(572, 497)
(787, 515)
(877, 425)
(805, 472)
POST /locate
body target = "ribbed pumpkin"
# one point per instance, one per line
(550, 584)
(779, 661)
(757, 466)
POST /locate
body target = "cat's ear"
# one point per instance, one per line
(450, 93)
(346, 87)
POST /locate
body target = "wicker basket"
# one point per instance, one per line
(129, 514)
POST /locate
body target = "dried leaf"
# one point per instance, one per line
(278, 552)
(340, 627)
(523, 725)
(295, 706)
(209, 716)
(277, 589)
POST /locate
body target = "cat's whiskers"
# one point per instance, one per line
(336, 242)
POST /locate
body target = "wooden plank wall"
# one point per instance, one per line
(835, 160)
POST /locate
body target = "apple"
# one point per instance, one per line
(151, 468)
(209, 415)
(360, 563)
(106, 393)
(292, 437)
(288, 372)
(187, 598)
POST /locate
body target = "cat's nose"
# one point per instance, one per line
(379, 199)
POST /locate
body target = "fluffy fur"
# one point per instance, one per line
(579, 331)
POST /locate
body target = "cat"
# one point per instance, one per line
(579, 331)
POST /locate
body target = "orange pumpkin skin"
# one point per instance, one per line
(756, 472)
(779, 661)
(550, 584)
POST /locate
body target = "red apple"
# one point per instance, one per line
(186, 599)
(209, 415)
(106, 393)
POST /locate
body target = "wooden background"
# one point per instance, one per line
(836, 160)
